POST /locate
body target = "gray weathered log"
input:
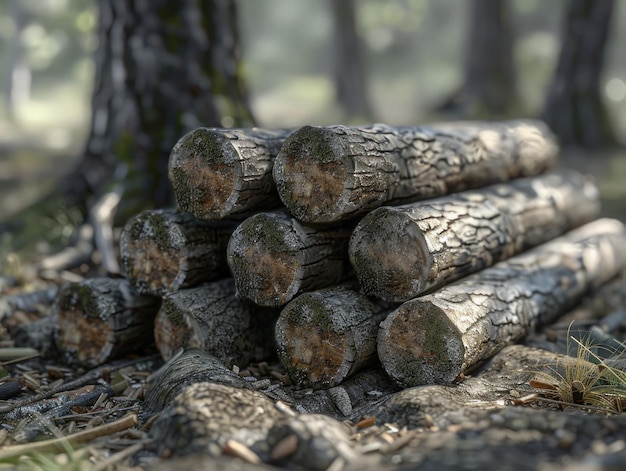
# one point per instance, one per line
(435, 338)
(326, 335)
(165, 250)
(401, 252)
(101, 318)
(330, 173)
(273, 257)
(222, 172)
(211, 317)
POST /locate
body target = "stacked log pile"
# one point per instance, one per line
(427, 248)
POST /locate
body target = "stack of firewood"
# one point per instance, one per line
(429, 248)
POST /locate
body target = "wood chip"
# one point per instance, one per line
(366, 422)
(284, 448)
(241, 451)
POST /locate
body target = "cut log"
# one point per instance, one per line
(435, 338)
(401, 252)
(101, 318)
(211, 317)
(164, 250)
(222, 172)
(324, 336)
(330, 173)
(273, 257)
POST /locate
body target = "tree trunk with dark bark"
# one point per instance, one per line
(574, 109)
(324, 174)
(273, 257)
(163, 250)
(437, 337)
(401, 252)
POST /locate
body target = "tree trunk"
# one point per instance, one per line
(161, 68)
(273, 257)
(348, 65)
(402, 252)
(101, 318)
(211, 317)
(435, 338)
(218, 173)
(574, 109)
(164, 250)
(324, 336)
(325, 174)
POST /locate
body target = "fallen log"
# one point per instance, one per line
(273, 257)
(217, 173)
(211, 317)
(437, 337)
(101, 318)
(325, 174)
(401, 252)
(165, 250)
(325, 336)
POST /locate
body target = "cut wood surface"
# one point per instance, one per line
(435, 338)
(273, 257)
(330, 173)
(326, 335)
(101, 318)
(221, 172)
(401, 252)
(211, 317)
(165, 250)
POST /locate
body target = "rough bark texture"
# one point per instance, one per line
(330, 173)
(218, 173)
(101, 318)
(574, 109)
(211, 317)
(165, 250)
(401, 252)
(435, 338)
(324, 336)
(273, 257)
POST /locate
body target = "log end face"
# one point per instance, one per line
(418, 345)
(310, 345)
(390, 256)
(172, 331)
(204, 171)
(312, 175)
(265, 257)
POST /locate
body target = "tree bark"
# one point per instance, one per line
(273, 257)
(218, 173)
(164, 250)
(325, 336)
(211, 317)
(325, 174)
(101, 318)
(435, 338)
(574, 109)
(402, 252)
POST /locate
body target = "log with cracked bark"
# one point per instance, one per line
(165, 250)
(325, 174)
(273, 257)
(212, 317)
(326, 335)
(401, 252)
(217, 173)
(437, 337)
(100, 318)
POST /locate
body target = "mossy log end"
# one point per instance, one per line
(165, 250)
(435, 338)
(211, 317)
(273, 257)
(217, 173)
(402, 252)
(325, 174)
(101, 318)
(326, 335)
